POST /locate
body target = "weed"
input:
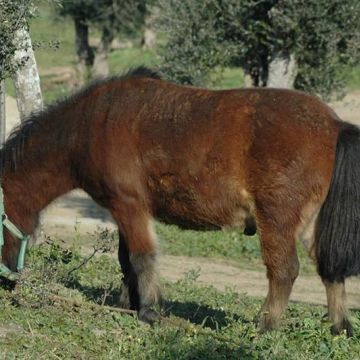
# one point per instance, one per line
(203, 322)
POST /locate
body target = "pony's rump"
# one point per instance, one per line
(338, 228)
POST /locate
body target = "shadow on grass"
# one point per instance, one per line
(97, 295)
(191, 311)
(200, 314)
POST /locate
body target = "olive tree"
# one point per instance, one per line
(17, 59)
(111, 17)
(306, 44)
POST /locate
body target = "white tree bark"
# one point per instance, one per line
(28, 92)
(282, 72)
(26, 79)
(149, 37)
(101, 64)
(248, 80)
(149, 40)
(2, 112)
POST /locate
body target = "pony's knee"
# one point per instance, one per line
(284, 272)
(294, 268)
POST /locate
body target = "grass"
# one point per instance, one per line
(243, 251)
(231, 246)
(354, 78)
(201, 322)
(53, 38)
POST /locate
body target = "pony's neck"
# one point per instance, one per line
(29, 190)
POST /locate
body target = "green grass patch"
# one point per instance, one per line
(122, 60)
(243, 251)
(201, 322)
(229, 78)
(230, 246)
(353, 77)
(54, 39)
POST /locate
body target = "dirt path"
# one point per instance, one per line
(307, 289)
(77, 209)
(61, 217)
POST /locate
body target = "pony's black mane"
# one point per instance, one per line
(12, 150)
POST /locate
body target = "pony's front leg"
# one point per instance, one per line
(280, 258)
(137, 257)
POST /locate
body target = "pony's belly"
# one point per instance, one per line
(186, 223)
(205, 214)
(186, 212)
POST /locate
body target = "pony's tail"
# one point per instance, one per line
(338, 226)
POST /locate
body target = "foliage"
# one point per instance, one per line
(192, 48)
(201, 322)
(12, 18)
(325, 40)
(44, 30)
(115, 16)
(323, 35)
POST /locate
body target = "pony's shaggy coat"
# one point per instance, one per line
(254, 159)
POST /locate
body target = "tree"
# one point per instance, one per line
(12, 17)
(111, 17)
(2, 113)
(311, 42)
(26, 77)
(17, 60)
(80, 11)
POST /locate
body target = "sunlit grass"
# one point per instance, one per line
(55, 313)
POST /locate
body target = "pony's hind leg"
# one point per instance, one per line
(282, 264)
(335, 292)
(137, 257)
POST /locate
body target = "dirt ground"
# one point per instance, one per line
(76, 209)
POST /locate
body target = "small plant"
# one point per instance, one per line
(191, 276)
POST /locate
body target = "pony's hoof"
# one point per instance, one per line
(266, 323)
(337, 329)
(148, 316)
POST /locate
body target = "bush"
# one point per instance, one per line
(324, 37)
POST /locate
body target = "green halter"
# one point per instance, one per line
(5, 222)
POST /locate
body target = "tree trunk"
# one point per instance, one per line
(149, 38)
(26, 78)
(248, 81)
(28, 92)
(2, 112)
(101, 64)
(85, 55)
(282, 72)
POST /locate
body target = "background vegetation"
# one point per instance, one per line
(322, 37)
(56, 37)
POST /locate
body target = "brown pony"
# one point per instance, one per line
(276, 161)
